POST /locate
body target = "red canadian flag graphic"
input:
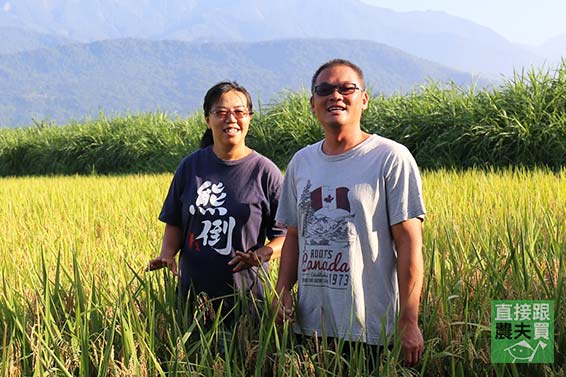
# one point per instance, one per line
(324, 197)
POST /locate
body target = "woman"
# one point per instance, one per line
(221, 206)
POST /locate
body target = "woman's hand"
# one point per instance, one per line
(264, 254)
(160, 262)
(243, 260)
(171, 244)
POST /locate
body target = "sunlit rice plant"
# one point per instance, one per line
(75, 299)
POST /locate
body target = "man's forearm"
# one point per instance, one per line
(410, 271)
(410, 267)
(287, 276)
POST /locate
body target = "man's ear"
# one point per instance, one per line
(365, 100)
(311, 101)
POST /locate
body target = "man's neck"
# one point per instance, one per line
(340, 141)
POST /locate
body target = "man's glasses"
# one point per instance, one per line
(238, 114)
(326, 89)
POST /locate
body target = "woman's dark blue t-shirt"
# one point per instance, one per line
(222, 207)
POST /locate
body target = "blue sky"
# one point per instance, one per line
(520, 21)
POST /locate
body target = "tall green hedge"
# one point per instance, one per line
(520, 123)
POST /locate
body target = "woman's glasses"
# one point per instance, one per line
(238, 114)
(326, 89)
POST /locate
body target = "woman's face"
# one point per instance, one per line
(229, 120)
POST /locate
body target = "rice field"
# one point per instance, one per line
(75, 300)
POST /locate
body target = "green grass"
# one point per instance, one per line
(75, 299)
(520, 123)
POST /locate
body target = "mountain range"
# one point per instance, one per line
(436, 36)
(131, 75)
(16, 40)
(65, 59)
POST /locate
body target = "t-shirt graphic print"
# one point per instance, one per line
(324, 259)
(217, 226)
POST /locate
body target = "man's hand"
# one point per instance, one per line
(412, 342)
(283, 304)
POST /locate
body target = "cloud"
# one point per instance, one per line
(7, 6)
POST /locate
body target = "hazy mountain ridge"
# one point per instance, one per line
(554, 48)
(74, 81)
(130, 75)
(464, 45)
(16, 40)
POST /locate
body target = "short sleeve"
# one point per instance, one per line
(287, 211)
(403, 187)
(275, 182)
(172, 206)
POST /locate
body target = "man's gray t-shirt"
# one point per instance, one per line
(344, 206)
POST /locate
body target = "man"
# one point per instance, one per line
(353, 207)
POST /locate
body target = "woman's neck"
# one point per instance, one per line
(231, 154)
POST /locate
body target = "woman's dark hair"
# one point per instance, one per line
(334, 63)
(212, 96)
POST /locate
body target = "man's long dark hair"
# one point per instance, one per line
(212, 97)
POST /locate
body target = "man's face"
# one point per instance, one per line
(339, 109)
